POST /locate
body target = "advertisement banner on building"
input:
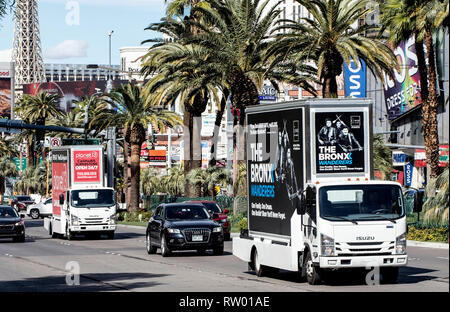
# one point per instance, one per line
(86, 166)
(403, 92)
(420, 158)
(408, 174)
(5, 97)
(355, 79)
(70, 90)
(340, 145)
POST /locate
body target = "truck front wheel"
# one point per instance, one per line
(389, 275)
(69, 234)
(312, 272)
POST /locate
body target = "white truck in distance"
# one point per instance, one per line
(313, 205)
(81, 202)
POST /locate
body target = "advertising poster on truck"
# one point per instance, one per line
(60, 177)
(274, 169)
(86, 166)
(340, 146)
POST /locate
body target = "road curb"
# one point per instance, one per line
(131, 226)
(427, 244)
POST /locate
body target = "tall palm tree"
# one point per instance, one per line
(37, 110)
(130, 110)
(436, 208)
(236, 34)
(331, 38)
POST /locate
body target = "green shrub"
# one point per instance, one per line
(243, 224)
(138, 216)
(425, 234)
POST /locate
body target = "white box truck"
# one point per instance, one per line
(81, 203)
(313, 205)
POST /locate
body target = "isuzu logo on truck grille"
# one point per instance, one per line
(365, 238)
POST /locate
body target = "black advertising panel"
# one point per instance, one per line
(340, 142)
(274, 169)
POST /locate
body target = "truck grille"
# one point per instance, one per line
(93, 220)
(353, 249)
(205, 233)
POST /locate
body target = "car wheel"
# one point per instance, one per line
(34, 213)
(312, 272)
(165, 251)
(218, 251)
(150, 248)
(19, 239)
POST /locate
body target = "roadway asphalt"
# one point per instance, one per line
(41, 264)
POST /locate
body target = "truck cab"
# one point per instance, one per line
(356, 224)
(89, 210)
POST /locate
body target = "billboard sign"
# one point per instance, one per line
(274, 169)
(86, 166)
(340, 145)
(403, 92)
(5, 97)
(355, 79)
(268, 93)
(60, 177)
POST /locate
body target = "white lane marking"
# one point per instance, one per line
(8, 255)
(445, 258)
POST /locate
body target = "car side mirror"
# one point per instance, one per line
(418, 202)
(215, 215)
(226, 211)
(301, 205)
(61, 199)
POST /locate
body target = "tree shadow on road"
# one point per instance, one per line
(90, 282)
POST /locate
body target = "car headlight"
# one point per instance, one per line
(327, 245)
(217, 229)
(75, 220)
(173, 231)
(400, 244)
(19, 223)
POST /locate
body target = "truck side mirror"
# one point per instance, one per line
(61, 199)
(418, 202)
(301, 205)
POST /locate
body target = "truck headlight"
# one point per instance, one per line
(327, 245)
(75, 220)
(400, 244)
(174, 231)
(217, 229)
(112, 219)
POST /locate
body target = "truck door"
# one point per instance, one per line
(310, 217)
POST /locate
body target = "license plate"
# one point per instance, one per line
(197, 238)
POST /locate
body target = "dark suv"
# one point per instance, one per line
(11, 224)
(21, 202)
(183, 226)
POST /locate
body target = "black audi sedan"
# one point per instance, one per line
(11, 224)
(183, 226)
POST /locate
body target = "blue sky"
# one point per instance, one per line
(64, 40)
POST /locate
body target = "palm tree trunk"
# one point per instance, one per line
(217, 123)
(30, 154)
(135, 176)
(329, 87)
(429, 111)
(422, 66)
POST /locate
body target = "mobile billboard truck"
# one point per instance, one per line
(81, 202)
(313, 205)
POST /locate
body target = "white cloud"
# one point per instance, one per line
(67, 49)
(6, 55)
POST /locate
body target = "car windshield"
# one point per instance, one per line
(361, 202)
(92, 198)
(8, 212)
(186, 213)
(213, 207)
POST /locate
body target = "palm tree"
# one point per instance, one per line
(38, 109)
(7, 166)
(198, 180)
(32, 180)
(150, 182)
(382, 157)
(436, 208)
(217, 176)
(130, 110)
(330, 38)
(174, 182)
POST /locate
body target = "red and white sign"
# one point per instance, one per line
(5, 74)
(86, 166)
(55, 142)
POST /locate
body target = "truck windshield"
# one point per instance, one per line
(92, 198)
(361, 202)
